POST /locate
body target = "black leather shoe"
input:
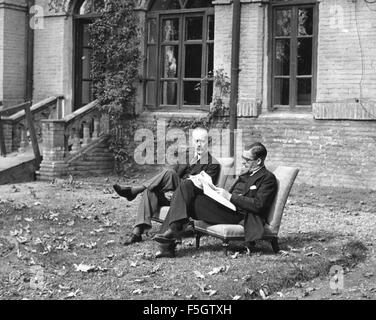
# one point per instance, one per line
(132, 239)
(125, 192)
(167, 251)
(167, 237)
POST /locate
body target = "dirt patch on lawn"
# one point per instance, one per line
(61, 240)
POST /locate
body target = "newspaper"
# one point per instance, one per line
(204, 182)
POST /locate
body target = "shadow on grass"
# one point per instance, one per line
(303, 257)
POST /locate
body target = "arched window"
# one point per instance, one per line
(179, 54)
(85, 11)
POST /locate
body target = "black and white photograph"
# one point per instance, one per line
(188, 155)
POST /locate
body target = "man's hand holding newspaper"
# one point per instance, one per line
(203, 181)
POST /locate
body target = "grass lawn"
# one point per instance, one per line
(61, 240)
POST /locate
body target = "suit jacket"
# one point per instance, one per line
(210, 165)
(254, 202)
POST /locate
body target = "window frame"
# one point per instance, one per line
(79, 20)
(182, 14)
(293, 4)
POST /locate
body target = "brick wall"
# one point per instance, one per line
(340, 51)
(53, 54)
(328, 153)
(12, 52)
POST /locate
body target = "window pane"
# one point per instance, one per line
(193, 28)
(305, 56)
(283, 22)
(211, 28)
(304, 92)
(86, 63)
(170, 61)
(165, 5)
(282, 57)
(152, 31)
(151, 62)
(211, 57)
(85, 36)
(305, 26)
(209, 92)
(169, 93)
(193, 54)
(281, 91)
(170, 30)
(87, 96)
(192, 93)
(199, 3)
(150, 92)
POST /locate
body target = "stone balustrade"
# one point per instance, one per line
(68, 137)
(16, 130)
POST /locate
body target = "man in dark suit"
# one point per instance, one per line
(158, 191)
(252, 194)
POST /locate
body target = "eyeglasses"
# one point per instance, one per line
(248, 160)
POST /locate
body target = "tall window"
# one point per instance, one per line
(293, 45)
(180, 51)
(84, 13)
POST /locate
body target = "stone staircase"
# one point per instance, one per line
(95, 159)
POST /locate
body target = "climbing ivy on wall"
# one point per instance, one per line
(115, 39)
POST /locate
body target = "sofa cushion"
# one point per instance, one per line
(222, 230)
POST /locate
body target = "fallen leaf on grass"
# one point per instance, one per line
(199, 274)
(211, 292)
(263, 294)
(137, 291)
(37, 203)
(250, 292)
(72, 294)
(261, 271)
(280, 294)
(312, 254)
(70, 223)
(16, 232)
(109, 242)
(217, 270)
(22, 240)
(133, 264)
(235, 255)
(139, 280)
(29, 219)
(84, 267)
(176, 293)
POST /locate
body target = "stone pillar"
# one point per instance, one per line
(86, 133)
(8, 135)
(23, 140)
(76, 146)
(96, 128)
(53, 164)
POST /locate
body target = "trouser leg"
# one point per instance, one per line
(153, 196)
(167, 180)
(181, 203)
(209, 210)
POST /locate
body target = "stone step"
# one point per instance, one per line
(95, 158)
(90, 172)
(90, 167)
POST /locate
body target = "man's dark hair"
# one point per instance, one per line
(258, 150)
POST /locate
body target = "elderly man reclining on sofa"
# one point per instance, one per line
(252, 194)
(157, 191)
